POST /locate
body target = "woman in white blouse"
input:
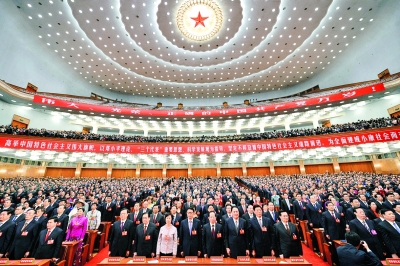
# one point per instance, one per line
(167, 238)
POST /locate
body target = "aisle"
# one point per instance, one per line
(307, 253)
(99, 257)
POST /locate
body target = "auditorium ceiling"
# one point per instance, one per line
(199, 48)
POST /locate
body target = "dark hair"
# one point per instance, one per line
(395, 205)
(191, 208)
(382, 211)
(356, 208)
(352, 238)
(147, 214)
(353, 199)
(211, 212)
(9, 212)
(39, 209)
(280, 212)
(94, 203)
(53, 218)
(235, 207)
(257, 206)
(328, 202)
(125, 209)
(166, 215)
(81, 209)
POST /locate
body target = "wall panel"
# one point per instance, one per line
(366, 167)
(58, 172)
(177, 173)
(258, 171)
(232, 172)
(94, 172)
(287, 170)
(319, 168)
(13, 170)
(123, 173)
(150, 172)
(204, 172)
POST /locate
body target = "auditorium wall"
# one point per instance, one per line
(39, 64)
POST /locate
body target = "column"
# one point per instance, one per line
(315, 123)
(287, 126)
(271, 168)
(216, 132)
(302, 168)
(189, 170)
(138, 170)
(190, 132)
(218, 170)
(238, 131)
(121, 131)
(336, 166)
(164, 170)
(145, 132)
(78, 170)
(244, 169)
(109, 170)
(262, 129)
(95, 129)
(169, 132)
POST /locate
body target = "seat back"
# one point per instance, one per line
(62, 254)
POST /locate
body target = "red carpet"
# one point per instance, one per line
(312, 258)
(307, 254)
(98, 258)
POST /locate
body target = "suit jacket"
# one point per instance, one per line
(120, 239)
(350, 255)
(246, 216)
(213, 246)
(284, 242)
(261, 238)
(241, 210)
(201, 210)
(370, 237)
(42, 221)
(334, 227)
(190, 242)
(6, 234)
(274, 219)
(142, 211)
(160, 221)
(24, 241)
(299, 211)
(391, 238)
(314, 215)
(50, 248)
(63, 222)
(397, 215)
(136, 221)
(387, 205)
(236, 240)
(19, 219)
(285, 207)
(108, 214)
(48, 212)
(206, 220)
(145, 243)
(176, 221)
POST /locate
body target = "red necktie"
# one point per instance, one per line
(134, 217)
(47, 235)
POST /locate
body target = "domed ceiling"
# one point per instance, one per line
(198, 48)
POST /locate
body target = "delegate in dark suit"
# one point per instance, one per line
(390, 236)
(6, 234)
(350, 255)
(286, 243)
(213, 245)
(261, 237)
(299, 210)
(314, 215)
(190, 241)
(145, 242)
(121, 238)
(334, 227)
(63, 222)
(236, 239)
(50, 247)
(369, 236)
(108, 212)
(24, 240)
(273, 216)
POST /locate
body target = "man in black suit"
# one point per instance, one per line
(62, 218)
(349, 254)
(144, 209)
(350, 215)
(109, 209)
(212, 237)
(7, 206)
(236, 235)
(6, 231)
(285, 204)
(190, 235)
(367, 231)
(249, 214)
(121, 236)
(50, 241)
(135, 217)
(261, 234)
(334, 224)
(396, 208)
(389, 202)
(206, 220)
(40, 219)
(271, 213)
(242, 207)
(299, 208)
(18, 214)
(25, 237)
(314, 213)
(286, 240)
(146, 235)
(157, 218)
(390, 232)
(201, 209)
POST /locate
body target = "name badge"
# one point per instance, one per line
(147, 237)
(264, 229)
(342, 214)
(373, 232)
(58, 224)
(157, 224)
(137, 222)
(45, 214)
(50, 242)
(194, 232)
(319, 211)
(1, 233)
(109, 209)
(176, 223)
(124, 233)
(241, 231)
(198, 213)
(294, 237)
(219, 235)
(337, 220)
(25, 233)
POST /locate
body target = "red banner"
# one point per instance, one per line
(224, 112)
(61, 145)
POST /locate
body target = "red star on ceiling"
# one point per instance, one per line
(199, 20)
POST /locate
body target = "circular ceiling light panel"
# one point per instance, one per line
(199, 20)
